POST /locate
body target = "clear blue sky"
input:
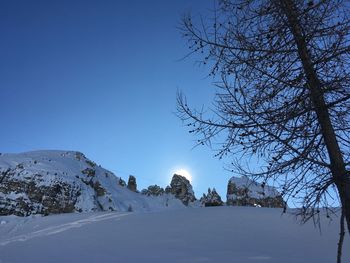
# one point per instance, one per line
(101, 77)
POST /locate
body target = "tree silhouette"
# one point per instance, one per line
(282, 76)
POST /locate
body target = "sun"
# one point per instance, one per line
(184, 173)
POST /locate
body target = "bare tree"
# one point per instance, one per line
(283, 76)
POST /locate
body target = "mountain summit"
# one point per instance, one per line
(45, 182)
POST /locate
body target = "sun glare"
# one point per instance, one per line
(184, 173)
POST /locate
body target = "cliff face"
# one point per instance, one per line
(132, 186)
(153, 190)
(181, 188)
(244, 192)
(212, 198)
(46, 182)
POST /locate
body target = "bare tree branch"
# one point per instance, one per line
(282, 95)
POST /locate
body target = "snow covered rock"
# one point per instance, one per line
(211, 199)
(181, 188)
(153, 190)
(46, 182)
(245, 192)
(122, 182)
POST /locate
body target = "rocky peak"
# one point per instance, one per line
(132, 186)
(241, 191)
(212, 198)
(121, 182)
(153, 190)
(181, 188)
(45, 182)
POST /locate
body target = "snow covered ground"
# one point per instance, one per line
(216, 234)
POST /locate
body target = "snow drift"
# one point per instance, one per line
(212, 234)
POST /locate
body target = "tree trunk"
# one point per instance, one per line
(341, 238)
(343, 187)
(337, 164)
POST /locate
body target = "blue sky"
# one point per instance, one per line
(101, 77)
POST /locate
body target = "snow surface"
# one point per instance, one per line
(216, 234)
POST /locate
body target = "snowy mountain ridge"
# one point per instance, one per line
(56, 181)
(255, 189)
(242, 191)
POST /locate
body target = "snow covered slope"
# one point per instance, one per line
(48, 182)
(216, 234)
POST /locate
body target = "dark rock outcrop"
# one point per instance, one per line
(212, 198)
(121, 182)
(245, 192)
(25, 197)
(181, 188)
(132, 186)
(153, 190)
